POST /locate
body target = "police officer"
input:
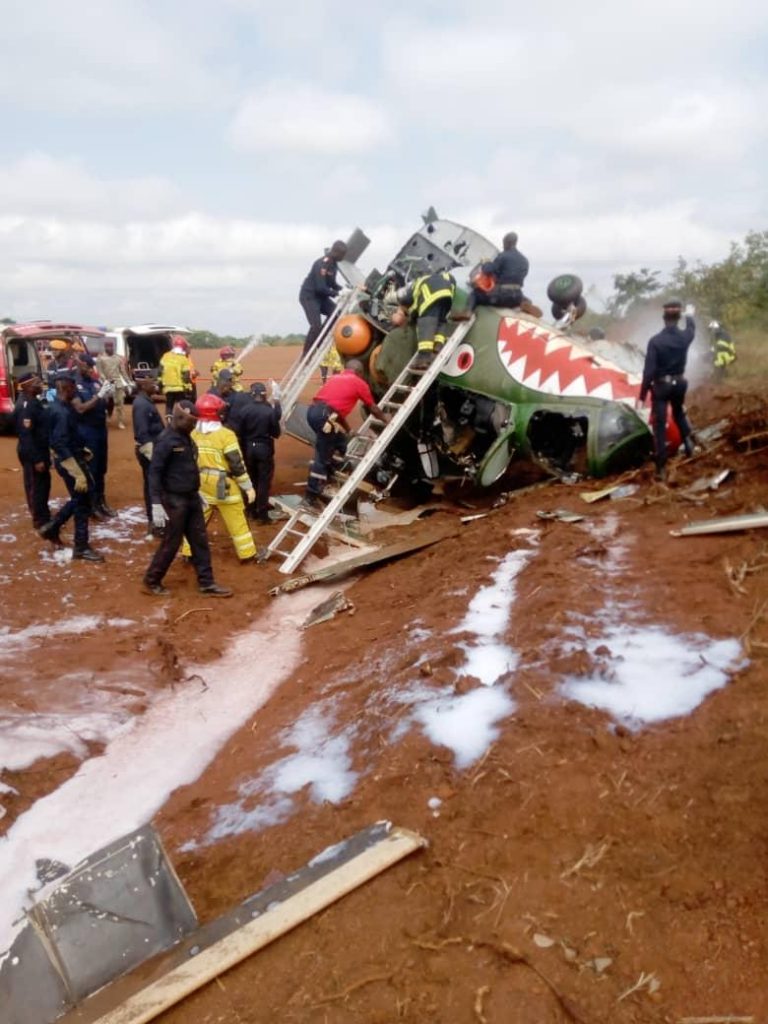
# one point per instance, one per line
(177, 509)
(70, 461)
(664, 377)
(147, 427)
(258, 426)
(428, 301)
(32, 431)
(90, 403)
(319, 290)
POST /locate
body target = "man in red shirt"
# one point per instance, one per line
(327, 416)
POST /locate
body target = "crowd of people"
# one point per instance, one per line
(196, 457)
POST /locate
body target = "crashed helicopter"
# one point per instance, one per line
(515, 389)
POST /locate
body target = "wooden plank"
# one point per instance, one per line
(274, 922)
(723, 524)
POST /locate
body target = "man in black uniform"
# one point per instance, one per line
(224, 388)
(174, 483)
(31, 417)
(663, 376)
(147, 427)
(319, 290)
(508, 272)
(258, 425)
(69, 459)
(91, 405)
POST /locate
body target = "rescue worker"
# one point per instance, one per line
(177, 508)
(90, 404)
(224, 481)
(113, 368)
(227, 361)
(722, 349)
(175, 373)
(33, 449)
(330, 361)
(147, 427)
(327, 416)
(428, 301)
(500, 281)
(664, 377)
(319, 290)
(69, 458)
(258, 426)
(61, 359)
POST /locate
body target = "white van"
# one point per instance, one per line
(143, 346)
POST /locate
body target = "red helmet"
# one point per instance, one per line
(210, 407)
(179, 341)
(227, 352)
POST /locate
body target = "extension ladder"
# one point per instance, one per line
(366, 445)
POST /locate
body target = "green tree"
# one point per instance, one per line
(632, 289)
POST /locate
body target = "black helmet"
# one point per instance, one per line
(258, 390)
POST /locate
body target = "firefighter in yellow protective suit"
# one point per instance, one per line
(722, 349)
(175, 373)
(428, 301)
(227, 361)
(224, 481)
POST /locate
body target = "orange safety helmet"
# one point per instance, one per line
(210, 407)
(227, 352)
(179, 341)
(58, 345)
(352, 335)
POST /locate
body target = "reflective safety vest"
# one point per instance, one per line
(430, 289)
(233, 366)
(724, 350)
(174, 366)
(220, 461)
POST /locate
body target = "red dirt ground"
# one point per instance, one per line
(673, 819)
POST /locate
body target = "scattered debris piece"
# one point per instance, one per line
(625, 491)
(543, 941)
(562, 515)
(332, 606)
(709, 483)
(649, 981)
(723, 524)
(590, 496)
(716, 1020)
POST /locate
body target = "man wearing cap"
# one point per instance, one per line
(327, 417)
(147, 427)
(664, 377)
(175, 373)
(71, 464)
(258, 426)
(112, 368)
(177, 509)
(32, 449)
(224, 387)
(90, 404)
(319, 290)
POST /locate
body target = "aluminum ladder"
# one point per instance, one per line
(304, 527)
(299, 374)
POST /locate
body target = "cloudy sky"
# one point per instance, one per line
(186, 160)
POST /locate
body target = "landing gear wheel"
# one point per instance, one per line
(565, 289)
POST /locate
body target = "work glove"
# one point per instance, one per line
(690, 309)
(106, 389)
(159, 517)
(74, 470)
(274, 389)
(146, 449)
(250, 496)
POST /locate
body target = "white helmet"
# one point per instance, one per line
(713, 325)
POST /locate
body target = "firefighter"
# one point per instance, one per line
(33, 450)
(330, 361)
(319, 290)
(664, 377)
(258, 426)
(722, 349)
(428, 301)
(327, 417)
(227, 361)
(177, 508)
(175, 373)
(224, 480)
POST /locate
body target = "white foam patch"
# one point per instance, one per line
(26, 738)
(466, 724)
(321, 763)
(119, 791)
(15, 640)
(651, 675)
(487, 658)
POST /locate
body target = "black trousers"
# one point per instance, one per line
(171, 398)
(672, 393)
(95, 438)
(315, 309)
(144, 463)
(326, 445)
(79, 505)
(260, 463)
(37, 488)
(185, 519)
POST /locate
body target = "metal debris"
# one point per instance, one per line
(329, 609)
(562, 515)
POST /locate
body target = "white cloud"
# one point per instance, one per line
(298, 117)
